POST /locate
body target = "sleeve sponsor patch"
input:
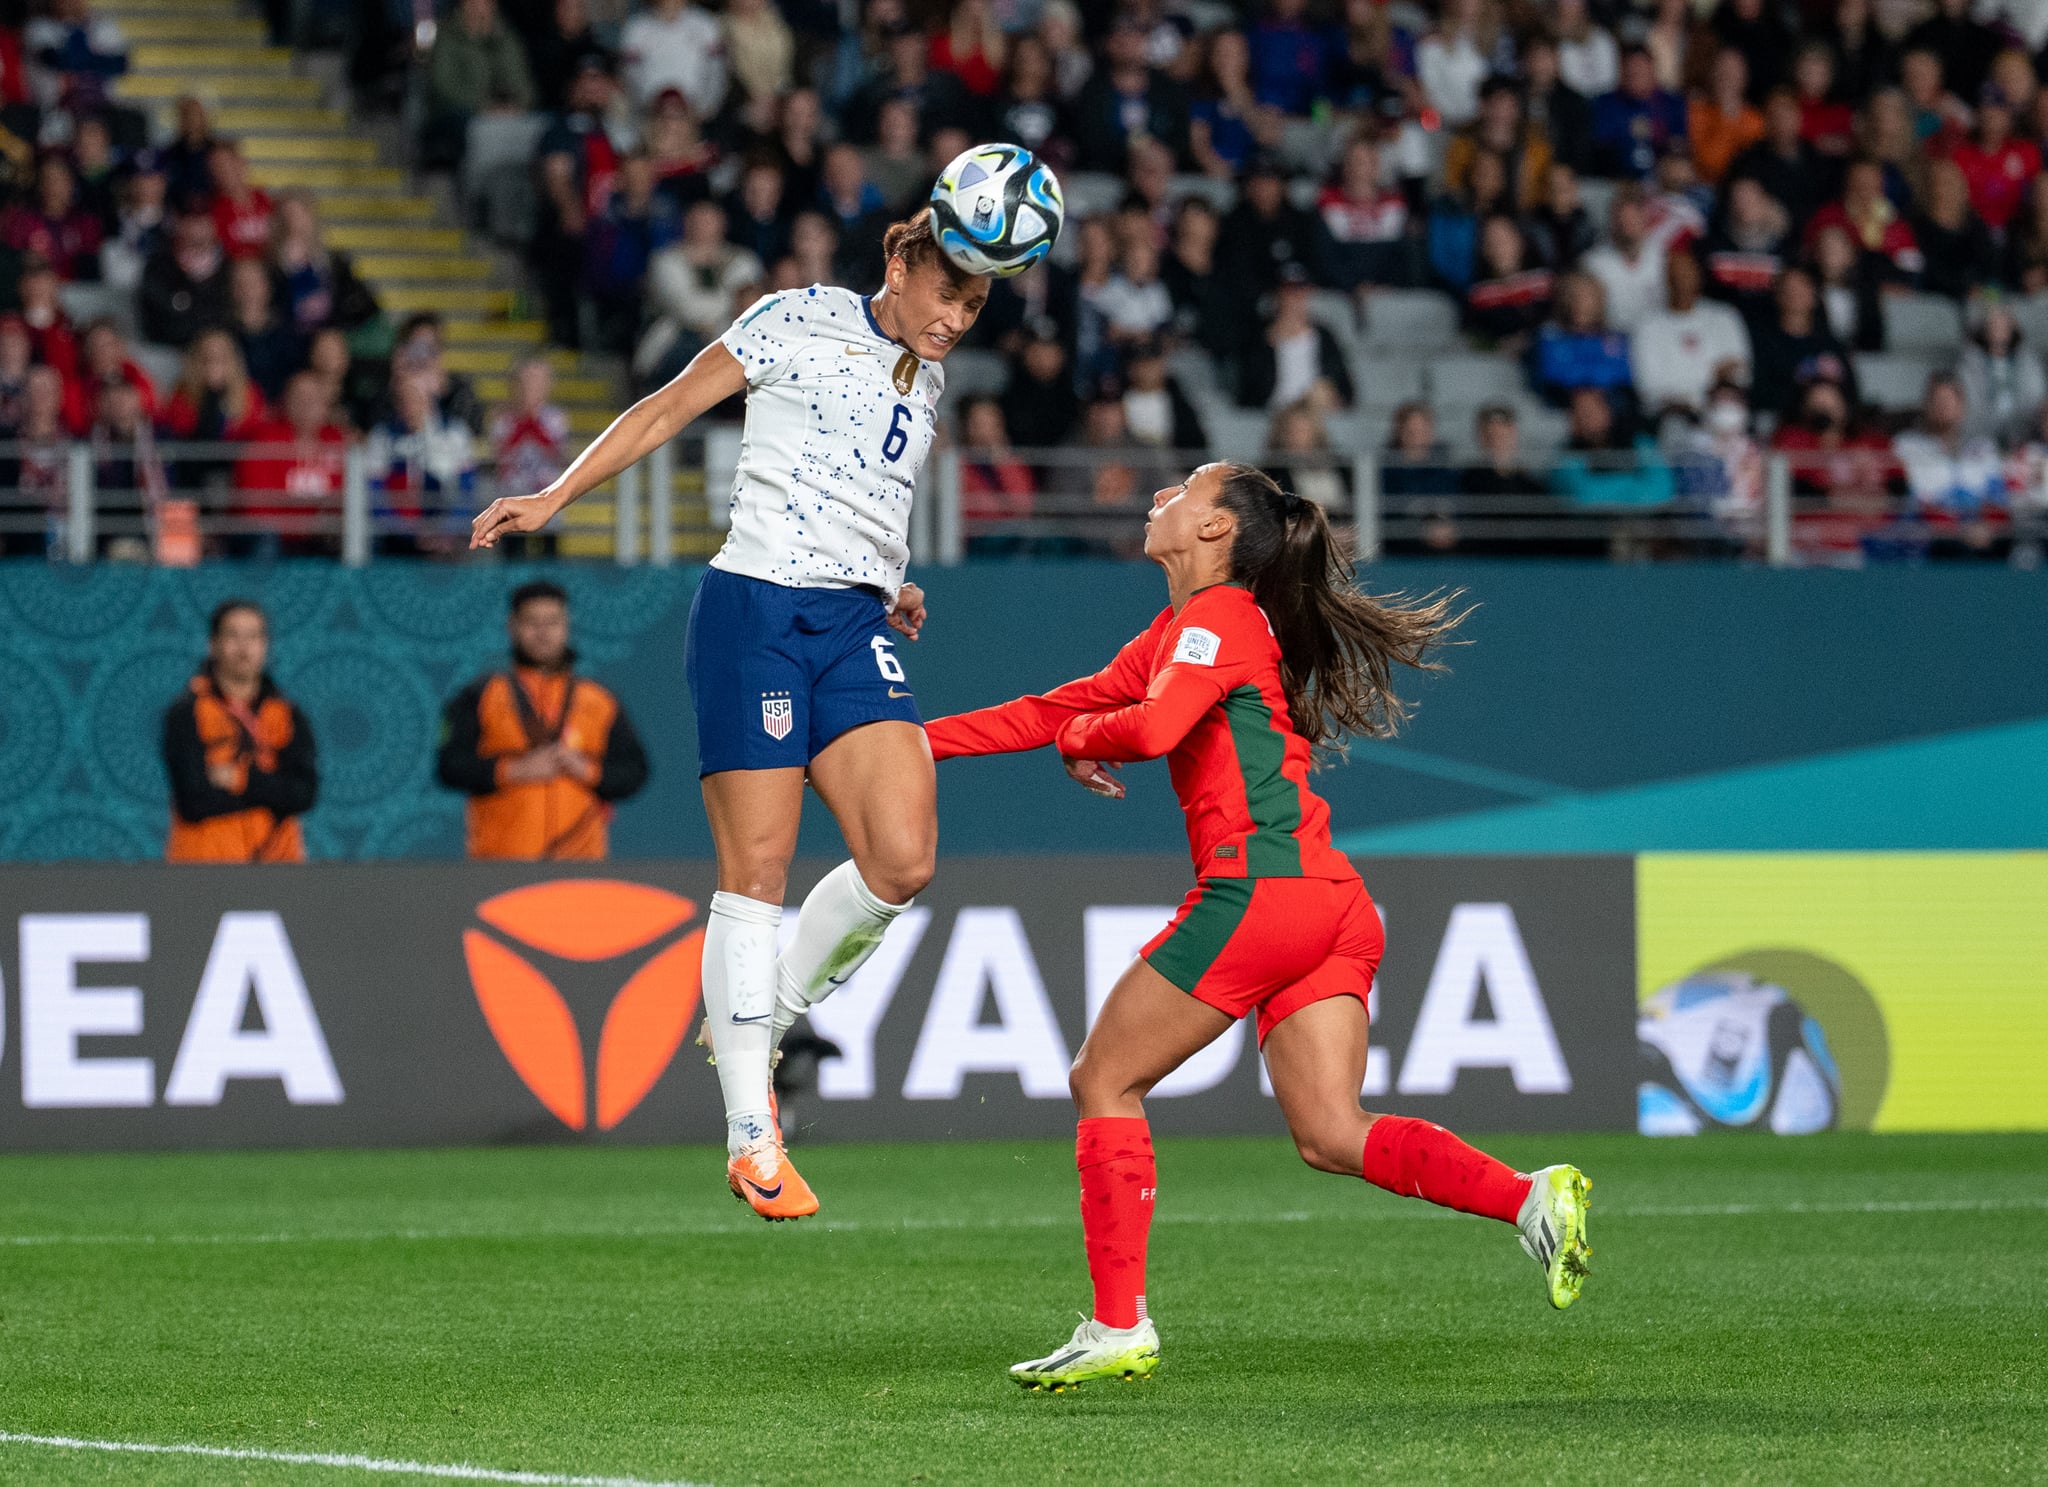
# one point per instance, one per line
(1197, 647)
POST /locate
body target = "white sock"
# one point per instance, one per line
(739, 1002)
(841, 924)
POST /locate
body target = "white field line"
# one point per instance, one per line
(455, 1472)
(1423, 1212)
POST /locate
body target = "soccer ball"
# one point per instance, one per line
(997, 210)
(1724, 1051)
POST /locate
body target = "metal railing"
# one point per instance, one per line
(80, 500)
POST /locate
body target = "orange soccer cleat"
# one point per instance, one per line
(762, 1178)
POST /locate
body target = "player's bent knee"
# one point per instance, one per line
(1329, 1150)
(899, 872)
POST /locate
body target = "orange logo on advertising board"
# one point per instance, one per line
(586, 919)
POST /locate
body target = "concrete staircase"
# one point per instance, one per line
(406, 245)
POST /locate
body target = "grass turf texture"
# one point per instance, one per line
(611, 1310)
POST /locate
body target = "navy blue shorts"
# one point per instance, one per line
(777, 673)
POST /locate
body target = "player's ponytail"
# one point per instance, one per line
(1338, 645)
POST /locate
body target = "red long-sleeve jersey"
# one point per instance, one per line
(1201, 687)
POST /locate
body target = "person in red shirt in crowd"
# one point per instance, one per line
(214, 400)
(292, 473)
(104, 362)
(13, 68)
(1825, 123)
(1363, 237)
(55, 226)
(241, 212)
(49, 328)
(15, 352)
(1846, 476)
(1997, 165)
(972, 48)
(1872, 221)
(995, 486)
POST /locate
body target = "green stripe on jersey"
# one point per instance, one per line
(1273, 801)
(1186, 955)
(766, 306)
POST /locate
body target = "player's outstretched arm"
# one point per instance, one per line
(709, 380)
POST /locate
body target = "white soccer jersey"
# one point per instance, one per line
(839, 420)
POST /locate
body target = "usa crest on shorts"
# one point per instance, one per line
(776, 715)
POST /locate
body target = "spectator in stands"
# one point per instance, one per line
(55, 227)
(87, 52)
(1956, 478)
(1630, 264)
(1205, 311)
(620, 242)
(1587, 58)
(1297, 357)
(477, 66)
(1796, 347)
(16, 357)
(1118, 483)
(674, 44)
(1783, 162)
(320, 286)
(1678, 201)
(894, 162)
(39, 470)
(972, 47)
(995, 486)
(939, 97)
(1500, 487)
(1417, 478)
(49, 328)
(1560, 230)
(690, 286)
(1290, 58)
(1365, 238)
(1039, 405)
(419, 351)
(215, 401)
(813, 256)
(2026, 243)
(1638, 121)
(241, 212)
(557, 51)
(1501, 129)
(683, 160)
(1997, 165)
(1876, 227)
(1825, 121)
(1718, 464)
(185, 285)
(1126, 97)
(578, 161)
(1744, 252)
(1956, 248)
(104, 362)
(757, 218)
(2001, 378)
(544, 754)
(1030, 111)
(1848, 284)
(128, 474)
(1468, 45)
(14, 77)
(1263, 232)
(357, 389)
(1681, 352)
(288, 485)
(1156, 411)
(529, 441)
(1579, 348)
(1604, 464)
(1864, 61)
(140, 225)
(858, 211)
(1965, 46)
(1299, 456)
(760, 50)
(1939, 116)
(1510, 299)
(1563, 114)
(1059, 27)
(240, 756)
(97, 169)
(1850, 470)
(1888, 138)
(422, 469)
(1227, 123)
(188, 159)
(1135, 304)
(1454, 218)
(1721, 121)
(271, 346)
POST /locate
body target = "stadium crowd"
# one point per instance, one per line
(1683, 233)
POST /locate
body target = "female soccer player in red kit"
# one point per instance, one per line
(1266, 651)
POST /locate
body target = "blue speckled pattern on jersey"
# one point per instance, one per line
(831, 449)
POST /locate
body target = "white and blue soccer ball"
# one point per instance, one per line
(1723, 1051)
(997, 210)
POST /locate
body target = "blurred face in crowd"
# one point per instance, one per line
(539, 629)
(1592, 421)
(801, 114)
(93, 146)
(1561, 190)
(1999, 329)
(38, 291)
(1994, 122)
(1749, 205)
(104, 352)
(145, 193)
(1030, 68)
(249, 284)
(230, 177)
(1920, 76)
(1499, 438)
(1147, 370)
(414, 397)
(192, 124)
(300, 223)
(14, 351)
(1638, 75)
(1489, 179)
(1501, 246)
(193, 234)
(2013, 71)
(704, 227)
(1781, 122)
(812, 242)
(1140, 260)
(1796, 297)
(761, 191)
(478, 16)
(1096, 249)
(1539, 65)
(307, 398)
(328, 355)
(1194, 230)
(946, 147)
(896, 128)
(1863, 190)
(1627, 222)
(1825, 410)
(1814, 72)
(1361, 170)
(1731, 77)
(1944, 408)
(45, 401)
(1415, 433)
(1230, 62)
(932, 308)
(571, 17)
(120, 410)
(1044, 359)
(636, 180)
(1103, 424)
(1500, 115)
(213, 356)
(56, 192)
(1834, 255)
(1296, 431)
(984, 426)
(844, 173)
(1266, 192)
(591, 93)
(1583, 306)
(239, 649)
(533, 383)
(1151, 169)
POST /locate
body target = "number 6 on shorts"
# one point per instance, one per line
(885, 659)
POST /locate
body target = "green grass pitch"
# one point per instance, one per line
(1846, 1309)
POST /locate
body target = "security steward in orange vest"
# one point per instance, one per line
(541, 752)
(240, 756)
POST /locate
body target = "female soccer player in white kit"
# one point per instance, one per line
(792, 667)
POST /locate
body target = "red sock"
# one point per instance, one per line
(1118, 1181)
(1418, 1159)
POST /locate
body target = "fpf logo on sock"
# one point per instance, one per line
(588, 920)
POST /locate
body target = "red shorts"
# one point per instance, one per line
(1270, 944)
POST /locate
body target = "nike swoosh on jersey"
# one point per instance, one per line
(856, 351)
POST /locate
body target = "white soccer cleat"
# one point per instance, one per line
(1093, 1352)
(1553, 1225)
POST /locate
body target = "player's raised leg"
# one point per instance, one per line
(1316, 1057)
(1146, 1030)
(753, 815)
(878, 782)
